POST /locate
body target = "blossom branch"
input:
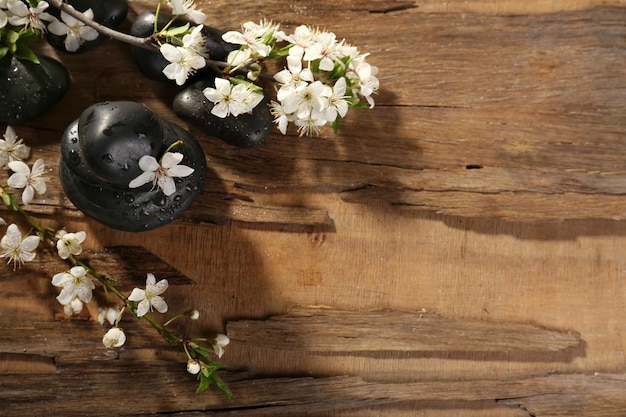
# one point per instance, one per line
(145, 43)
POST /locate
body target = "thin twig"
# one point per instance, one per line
(145, 43)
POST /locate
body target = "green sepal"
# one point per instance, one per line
(3, 51)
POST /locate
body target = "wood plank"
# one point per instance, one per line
(574, 395)
(352, 332)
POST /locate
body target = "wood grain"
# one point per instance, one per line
(352, 332)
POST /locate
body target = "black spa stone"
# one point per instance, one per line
(110, 13)
(151, 63)
(28, 89)
(98, 184)
(247, 130)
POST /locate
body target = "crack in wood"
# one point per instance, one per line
(396, 8)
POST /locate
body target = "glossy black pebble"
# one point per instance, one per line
(28, 89)
(151, 63)
(96, 166)
(110, 13)
(244, 131)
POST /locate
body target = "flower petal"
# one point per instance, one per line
(30, 243)
(159, 304)
(171, 159)
(180, 171)
(143, 308)
(137, 295)
(142, 179)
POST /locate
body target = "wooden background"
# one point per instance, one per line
(456, 251)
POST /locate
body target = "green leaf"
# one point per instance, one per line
(25, 53)
(205, 382)
(279, 53)
(169, 337)
(215, 378)
(3, 51)
(177, 31)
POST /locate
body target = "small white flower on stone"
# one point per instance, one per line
(150, 297)
(220, 341)
(75, 31)
(115, 337)
(18, 249)
(187, 8)
(184, 61)
(163, 173)
(229, 99)
(69, 243)
(30, 180)
(74, 284)
(12, 148)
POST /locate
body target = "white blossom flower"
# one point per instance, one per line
(76, 32)
(308, 101)
(194, 314)
(220, 341)
(310, 125)
(363, 78)
(187, 8)
(163, 173)
(337, 104)
(326, 49)
(183, 62)
(292, 77)
(69, 243)
(231, 99)
(281, 117)
(301, 39)
(110, 313)
(255, 36)
(12, 148)
(29, 17)
(74, 284)
(115, 337)
(193, 366)
(195, 42)
(150, 297)
(30, 181)
(18, 249)
(73, 307)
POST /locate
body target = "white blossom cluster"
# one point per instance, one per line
(22, 15)
(323, 78)
(185, 50)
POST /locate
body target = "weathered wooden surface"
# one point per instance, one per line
(324, 330)
(486, 186)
